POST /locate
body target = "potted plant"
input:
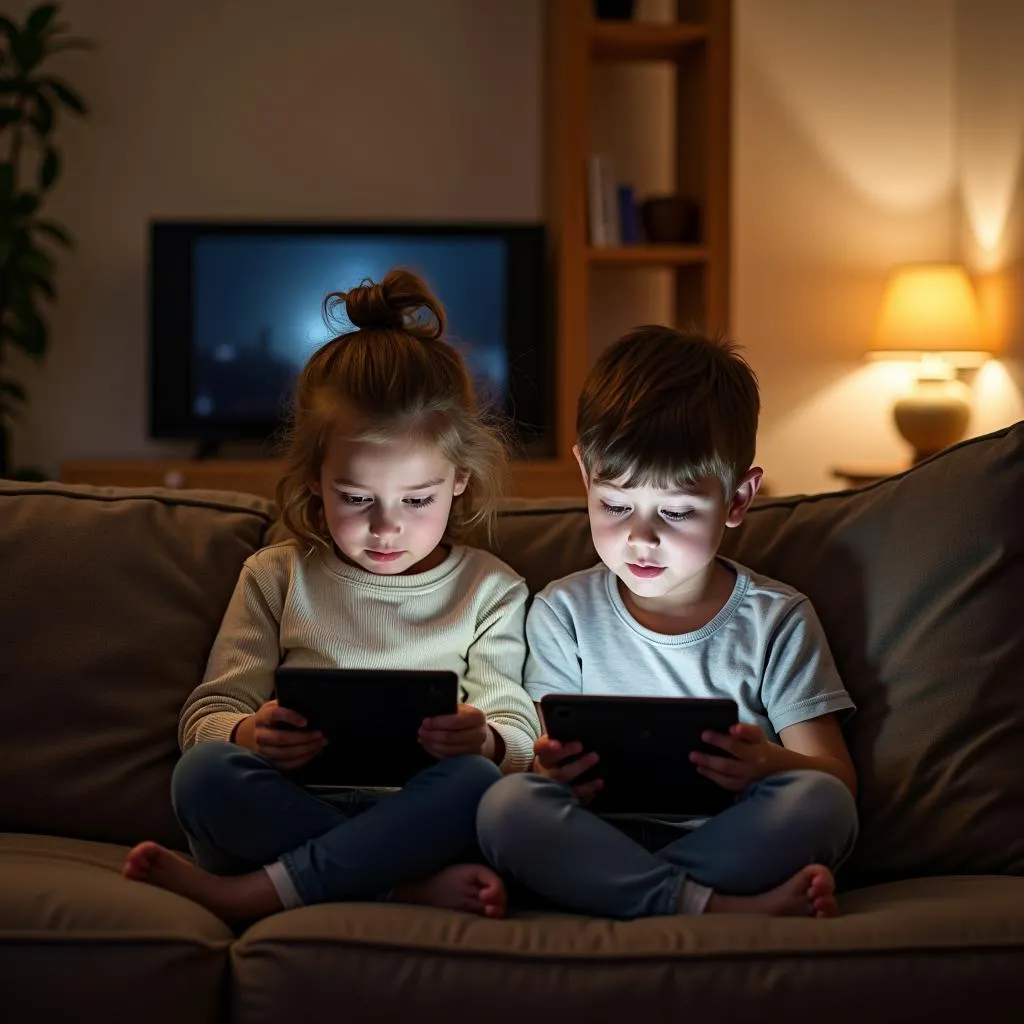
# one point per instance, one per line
(30, 101)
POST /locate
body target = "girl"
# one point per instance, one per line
(388, 464)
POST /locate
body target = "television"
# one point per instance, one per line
(236, 310)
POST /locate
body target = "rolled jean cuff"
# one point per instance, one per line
(693, 897)
(283, 885)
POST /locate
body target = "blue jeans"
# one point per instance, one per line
(536, 831)
(241, 813)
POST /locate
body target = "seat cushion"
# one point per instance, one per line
(924, 944)
(79, 942)
(918, 582)
(110, 602)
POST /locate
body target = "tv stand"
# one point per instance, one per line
(206, 449)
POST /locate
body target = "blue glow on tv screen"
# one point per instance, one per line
(258, 309)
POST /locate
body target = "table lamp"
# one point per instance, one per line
(929, 314)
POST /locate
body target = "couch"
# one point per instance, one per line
(110, 600)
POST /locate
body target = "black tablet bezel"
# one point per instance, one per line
(370, 718)
(639, 779)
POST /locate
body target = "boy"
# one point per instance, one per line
(666, 431)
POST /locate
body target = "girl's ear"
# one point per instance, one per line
(461, 482)
(583, 469)
(314, 488)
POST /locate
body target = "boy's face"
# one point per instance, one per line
(662, 543)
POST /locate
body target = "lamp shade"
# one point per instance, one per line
(929, 307)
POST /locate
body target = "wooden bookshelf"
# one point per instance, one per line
(614, 40)
(698, 45)
(648, 255)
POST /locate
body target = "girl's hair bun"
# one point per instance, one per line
(402, 301)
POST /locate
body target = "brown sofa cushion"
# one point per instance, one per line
(911, 951)
(78, 942)
(918, 581)
(109, 605)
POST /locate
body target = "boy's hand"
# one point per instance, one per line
(563, 763)
(288, 748)
(753, 757)
(465, 732)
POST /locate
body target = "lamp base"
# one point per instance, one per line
(934, 416)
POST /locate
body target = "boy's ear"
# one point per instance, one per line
(743, 496)
(583, 469)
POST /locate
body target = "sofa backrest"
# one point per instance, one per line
(109, 602)
(111, 599)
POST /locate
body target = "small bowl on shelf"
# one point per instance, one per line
(670, 220)
(613, 10)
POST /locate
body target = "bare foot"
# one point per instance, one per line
(470, 887)
(232, 897)
(811, 892)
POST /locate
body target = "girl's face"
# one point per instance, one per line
(387, 502)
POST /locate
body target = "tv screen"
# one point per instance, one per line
(236, 310)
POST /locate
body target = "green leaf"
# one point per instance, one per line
(45, 285)
(25, 205)
(27, 51)
(9, 116)
(42, 117)
(37, 262)
(9, 85)
(9, 412)
(13, 239)
(19, 298)
(40, 18)
(49, 169)
(8, 27)
(29, 333)
(6, 180)
(31, 341)
(56, 231)
(13, 390)
(65, 94)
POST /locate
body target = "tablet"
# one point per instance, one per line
(644, 745)
(370, 718)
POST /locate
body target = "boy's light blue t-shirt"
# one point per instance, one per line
(765, 649)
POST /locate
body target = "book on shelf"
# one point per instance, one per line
(630, 231)
(602, 203)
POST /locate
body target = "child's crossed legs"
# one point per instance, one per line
(242, 814)
(772, 852)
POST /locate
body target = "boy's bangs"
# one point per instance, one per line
(665, 470)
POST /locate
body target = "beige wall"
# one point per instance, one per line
(843, 166)
(990, 130)
(858, 125)
(257, 108)
(990, 143)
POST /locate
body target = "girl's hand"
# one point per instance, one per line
(465, 732)
(753, 757)
(281, 736)
(563, 763)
